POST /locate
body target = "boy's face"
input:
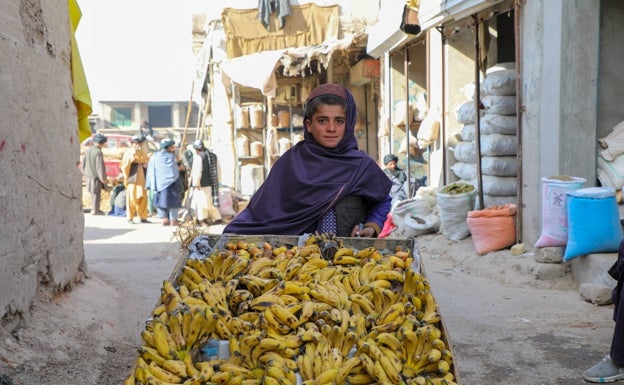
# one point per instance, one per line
(391, 165)
(327, 125)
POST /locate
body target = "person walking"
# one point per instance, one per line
(163, 179)
(133, 165)
(205, 186)
(95, 172)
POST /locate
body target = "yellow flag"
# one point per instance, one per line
(82, 97)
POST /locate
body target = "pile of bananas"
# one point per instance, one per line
(293, 317)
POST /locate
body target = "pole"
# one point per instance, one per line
(477, 112)
(189, 107)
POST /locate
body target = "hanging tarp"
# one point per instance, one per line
(307, 25)
(81, 94)
(263, 75)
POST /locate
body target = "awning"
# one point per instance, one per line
(294, 60)
(262, 76)
(385, 33)
(306, 25)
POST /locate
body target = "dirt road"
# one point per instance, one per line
(506, 326)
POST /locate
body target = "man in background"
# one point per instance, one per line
(205, 185)
(133, 166)
(95, 172)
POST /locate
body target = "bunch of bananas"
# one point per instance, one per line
(292, 316)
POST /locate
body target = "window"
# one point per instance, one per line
(121, 117)
(160, 115)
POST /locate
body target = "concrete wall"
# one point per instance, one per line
(610, 74)
(560, 41)
(41, 244)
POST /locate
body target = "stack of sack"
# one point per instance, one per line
(610, 161)
(499, 148)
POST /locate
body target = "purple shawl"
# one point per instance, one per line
(309, 179)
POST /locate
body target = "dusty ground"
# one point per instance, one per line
(506, 325)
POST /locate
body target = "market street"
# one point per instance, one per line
(506, 327)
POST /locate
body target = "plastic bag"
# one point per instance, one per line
(455, 201)
(593, 222)
(493, 228)
(226, 205)
(554, 209)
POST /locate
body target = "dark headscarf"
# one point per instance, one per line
(309, 179)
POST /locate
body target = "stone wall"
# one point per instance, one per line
(41, 226)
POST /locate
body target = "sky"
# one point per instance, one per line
(141, 50)
(138, 50)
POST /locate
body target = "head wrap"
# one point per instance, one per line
(198, 145)
(166, 143)
(162, 170)
(309, 179)
(100, 138)
(390, 157)
(138, 138)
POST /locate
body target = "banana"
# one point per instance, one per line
(438, 367)
(239, 325)
(390, 340)
(392, 313)
(345, 369)
(397, 262)
(388, 275)
(384, 359)
(361, 379)
(196, 327)
(364, 303)
(346, 260)
(365, 252)
(176, 367)
(344, 251)
(272, 369)
(268, 380)
(190, 368)
(222, 378)
(158, 310)
(295, 288)
(201, 267)
(151, 354)
(284, 316)
(148, 337)
(430, 315)
(434, 355)
(447, 355)
(163, 341)
(308, 250)
(256, 266)
(274, 323)
(192, 273)
(163, 374)
(175, 329)
(381, 375)
(322, 294)
(348, 343)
